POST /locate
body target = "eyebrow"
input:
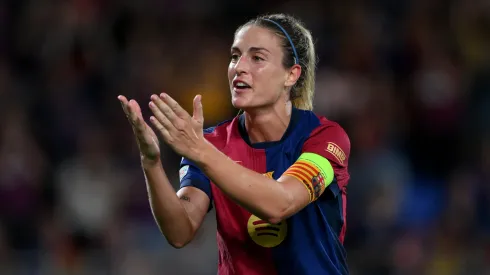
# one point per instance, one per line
(252, 49)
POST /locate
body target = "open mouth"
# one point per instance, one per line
(240, 86)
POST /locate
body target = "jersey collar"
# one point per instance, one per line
(295, 118)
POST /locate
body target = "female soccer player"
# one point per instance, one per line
(277, 174)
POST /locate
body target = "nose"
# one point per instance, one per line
(242, 66)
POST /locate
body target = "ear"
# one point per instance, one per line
(293, 75)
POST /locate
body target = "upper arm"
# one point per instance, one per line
(195, 192)
(323, 154)
(196, 204)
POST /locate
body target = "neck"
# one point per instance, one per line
(268, 124)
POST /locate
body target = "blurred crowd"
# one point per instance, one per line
(409, 80)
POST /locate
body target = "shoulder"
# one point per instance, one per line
(331, 129)
(330, 140)
(322, 128)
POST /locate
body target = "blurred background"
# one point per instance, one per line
(408, 80)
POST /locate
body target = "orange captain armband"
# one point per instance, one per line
(314, 171)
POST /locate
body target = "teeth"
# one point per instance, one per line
(240, 85)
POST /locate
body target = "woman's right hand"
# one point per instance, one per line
(145, 136)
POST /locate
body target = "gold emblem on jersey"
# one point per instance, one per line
(266, 234)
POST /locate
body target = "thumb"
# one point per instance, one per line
(198, 114)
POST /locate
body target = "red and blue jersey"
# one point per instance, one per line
(309, 242)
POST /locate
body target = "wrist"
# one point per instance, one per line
(148, 163)
(203, 156)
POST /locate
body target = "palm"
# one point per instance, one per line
(181, 131)
(145, 136)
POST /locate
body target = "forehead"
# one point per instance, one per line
(255, 36)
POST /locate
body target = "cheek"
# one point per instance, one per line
(271, 82)
(231, 72)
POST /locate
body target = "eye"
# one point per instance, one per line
(257, 58)
(234, 57)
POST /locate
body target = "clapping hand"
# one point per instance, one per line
(181, 131)
(145, 137)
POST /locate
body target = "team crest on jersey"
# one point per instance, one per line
(318, 184)
(266, 234)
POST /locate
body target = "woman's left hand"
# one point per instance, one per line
(182, 132)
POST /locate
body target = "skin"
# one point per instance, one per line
(256, 58)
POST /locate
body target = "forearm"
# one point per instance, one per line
(168, 210)
(264, 197)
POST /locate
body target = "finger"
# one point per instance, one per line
(198, 113)
(132, 106)
(160, 116)
(134, 116)
(126, 105)
(164, 109)
(122, 99)
(159, 126)
(124, 102)
(176, 108)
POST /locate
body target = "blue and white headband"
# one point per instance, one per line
(296, 59)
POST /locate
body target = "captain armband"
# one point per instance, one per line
(314, 171)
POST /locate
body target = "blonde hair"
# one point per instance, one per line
(303, 91)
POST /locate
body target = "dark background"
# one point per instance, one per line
(408, 80)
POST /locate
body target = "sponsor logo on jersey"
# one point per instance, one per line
(335, 150)
(266, 234)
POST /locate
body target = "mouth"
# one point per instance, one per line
(240, 86)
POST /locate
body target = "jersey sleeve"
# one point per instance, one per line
(323, 158)
(191, 175)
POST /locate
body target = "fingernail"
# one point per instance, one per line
(163, 95)
(153, 97)
(151, 104)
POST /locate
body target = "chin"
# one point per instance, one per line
(240, 102)
(248, 106)
(246, 101)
